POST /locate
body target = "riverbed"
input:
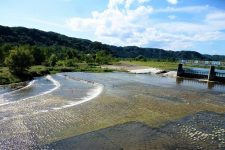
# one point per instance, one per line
(76, 107)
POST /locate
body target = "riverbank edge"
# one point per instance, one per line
(136, 69)
(43, 70)
(13, 80)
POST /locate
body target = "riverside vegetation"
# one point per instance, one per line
(20, 63)
(26, 53)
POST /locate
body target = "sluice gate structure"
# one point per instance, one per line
(211, 75)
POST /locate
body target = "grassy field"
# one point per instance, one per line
(164, 65)
(155, 64)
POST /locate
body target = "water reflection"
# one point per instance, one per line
(203, 83)
(211, 85)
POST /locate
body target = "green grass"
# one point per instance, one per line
(165, 65)
(38, 68)
(155, 64)
(36, 71)
(79, 68)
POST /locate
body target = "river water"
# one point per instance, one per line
(48, 106)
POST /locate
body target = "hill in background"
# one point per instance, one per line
(34, 37)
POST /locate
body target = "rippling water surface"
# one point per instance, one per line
(47, 107)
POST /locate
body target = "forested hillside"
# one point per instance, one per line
(44, 44)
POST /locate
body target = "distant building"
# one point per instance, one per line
(196, 62)
(206, 63)
(216, 63)
(184, 61)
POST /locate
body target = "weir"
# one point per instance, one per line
(211, 75)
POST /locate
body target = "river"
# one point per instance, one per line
(56, 107)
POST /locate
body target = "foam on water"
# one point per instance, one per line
(2, 99)
(93, 93)
(11, 92)
(56, 83)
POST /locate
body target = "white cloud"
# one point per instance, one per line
(187, 9)
(173, 2)
(115, 25)
(216, 20)
(123, 25)
(172, 17)
(114, 3)
(217, 15)
(177, 45)
(127, 3)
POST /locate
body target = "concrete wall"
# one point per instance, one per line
(211, 76)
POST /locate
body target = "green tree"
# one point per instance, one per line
(89, 58)
(52, 60)
(19, 60)
(38, 54)
(103, 58)
(140, 58)
(1, 57)
(71, 62)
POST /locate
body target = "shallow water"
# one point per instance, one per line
(33, 88)
(73, 89)
(56, 85)
(48, 107)
(111, 80)
(192, 132)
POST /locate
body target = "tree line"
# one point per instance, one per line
(23, 36)
(20, 58)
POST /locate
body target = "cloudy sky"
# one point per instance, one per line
(197, 25)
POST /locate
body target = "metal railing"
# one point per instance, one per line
(196, 72)
(219, 74)
(203, 62)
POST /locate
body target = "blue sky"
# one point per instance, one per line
(197, 25)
